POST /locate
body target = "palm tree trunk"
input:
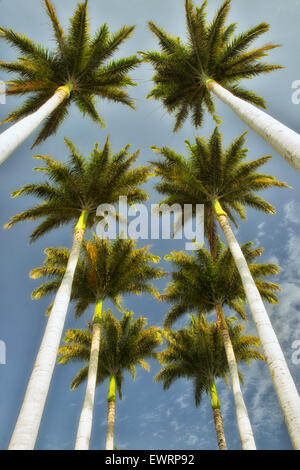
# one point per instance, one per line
(26, 430)
(282, 380)
(111, 411)
(244, 425)
(16, 134)
(211, 230)
(216, 407)
(86, 417)
(283, 139)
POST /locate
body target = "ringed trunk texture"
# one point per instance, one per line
(86, 417)
(243, 421)
(111, 414)
(28, 423)
(283, 382)
(283, 139)
(216, 407)
(18, 133)
(219, 429)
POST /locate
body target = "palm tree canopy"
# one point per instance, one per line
(197, 353)
(212, 51)
(105, 270)
(211, 172)
(80, 61)
(125, 344)
(201, 281)
(82, 184)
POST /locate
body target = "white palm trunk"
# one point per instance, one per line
(110, 425)
(111, 414)
(282, 380)
(86, 417)
(243, 421)
(283, 139)
(28, 423)
(18, 133)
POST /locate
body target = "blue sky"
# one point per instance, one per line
(147, 417)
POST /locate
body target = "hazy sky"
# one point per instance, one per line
(147, 417)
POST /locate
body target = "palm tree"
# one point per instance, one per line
(72, 192)
(76, 71)
(124, 345)
(197, 353)
(207, 283)
(212, 174)
(212, 63)
(225, 183)
(105, 271)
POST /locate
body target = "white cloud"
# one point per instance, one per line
(191, 439)
(184, 400)
(292, 212)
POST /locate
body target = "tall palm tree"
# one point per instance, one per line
(76, 71)
(125, 344)
(209, 283)
(105, 271)
(212, 63)
(225, 183)
(212, 174)
(197, 353)
(72, 193)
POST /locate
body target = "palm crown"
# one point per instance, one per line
(124, 344)
(211, 172)
(211, 52)
(105, 270)
(202, 281)
(197, 353)
(79, 61)
(82, 184)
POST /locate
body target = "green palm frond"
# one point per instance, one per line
(79, 61)
(125, 344)
(106, 270)
(197, 353)
(211, 52)
(81, 184)
(203, 281)
(212, 172)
